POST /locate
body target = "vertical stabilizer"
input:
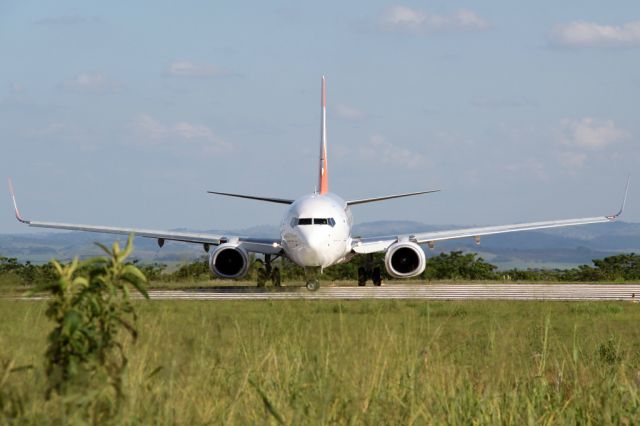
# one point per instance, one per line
(323, 179)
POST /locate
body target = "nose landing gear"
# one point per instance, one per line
(311, 276)
(313, 285)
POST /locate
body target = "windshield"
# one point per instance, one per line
(313, 221)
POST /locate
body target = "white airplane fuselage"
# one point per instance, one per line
(316, 230)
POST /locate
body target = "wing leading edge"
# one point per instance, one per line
(373, 245)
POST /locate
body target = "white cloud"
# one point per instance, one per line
(589, 34)
(402, 15)
(572, 160)
(379, 151)
(591, 133)
(349, 113)
(88, 82)
(190, 69)
(403, 18)
(152, 131)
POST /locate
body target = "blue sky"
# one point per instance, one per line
(125, 114)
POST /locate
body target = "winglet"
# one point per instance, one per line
(624, 201)
(15, 204)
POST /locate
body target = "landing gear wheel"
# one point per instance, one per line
(275, 277)
(376, 277)
(262, 277)
(313, 285)
(362, 276)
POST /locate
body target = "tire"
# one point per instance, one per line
(275, 277)
(362, 277)
(262, 277)
(313, 285)
(376, 277)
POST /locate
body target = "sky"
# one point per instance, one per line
(126, 113)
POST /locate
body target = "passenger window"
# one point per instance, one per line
(304, 221)
(318, 221)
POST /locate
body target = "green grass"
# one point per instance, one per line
(364, 362)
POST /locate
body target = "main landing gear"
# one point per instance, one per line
(369, 271)
(267, 272)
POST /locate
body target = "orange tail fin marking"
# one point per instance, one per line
(324, 175)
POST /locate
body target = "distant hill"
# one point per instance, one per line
(535, 249)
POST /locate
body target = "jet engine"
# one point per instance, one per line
(404, 260)
(229, 260)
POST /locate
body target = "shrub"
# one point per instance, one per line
(456, 265)
(90, 307)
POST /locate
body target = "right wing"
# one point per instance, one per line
(378, 244)
(258, 245)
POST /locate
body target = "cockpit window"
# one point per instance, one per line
(313, 221)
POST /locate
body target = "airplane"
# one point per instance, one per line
(315, 233)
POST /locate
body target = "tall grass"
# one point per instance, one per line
(364, 362)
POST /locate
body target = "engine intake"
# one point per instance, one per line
(404, 260)
(229, 261)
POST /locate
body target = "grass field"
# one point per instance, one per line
(366, 362)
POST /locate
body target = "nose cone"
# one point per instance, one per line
(316, 248)
(314, 241)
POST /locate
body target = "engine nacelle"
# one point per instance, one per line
(229, 260)
(405, 260)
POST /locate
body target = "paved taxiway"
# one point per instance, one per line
(626, 292)
(414, 291)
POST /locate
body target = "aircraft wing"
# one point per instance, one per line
(378, 244)
(373, 245)
(257, 245)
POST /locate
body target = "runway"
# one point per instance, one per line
(627, 292)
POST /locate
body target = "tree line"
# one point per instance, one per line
(455, 265)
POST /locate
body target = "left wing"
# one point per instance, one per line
(373, 245)
(257, 245)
